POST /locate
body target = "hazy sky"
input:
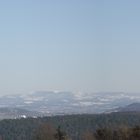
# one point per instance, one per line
(72, 45)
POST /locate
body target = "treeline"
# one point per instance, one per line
(123, 133)
(73, 127)
(47, 132)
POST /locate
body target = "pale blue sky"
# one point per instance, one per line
(76, 45)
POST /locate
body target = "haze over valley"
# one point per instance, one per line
(50, 103)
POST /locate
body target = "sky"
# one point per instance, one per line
(76, 45)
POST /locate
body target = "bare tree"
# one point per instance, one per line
(88, 136)
(45, 132)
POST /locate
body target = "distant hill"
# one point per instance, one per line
(135, 107)
(60, 102)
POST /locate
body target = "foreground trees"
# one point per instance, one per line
(123, 133)
(47, 132)
(88, 136)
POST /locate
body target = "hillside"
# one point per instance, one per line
(73, 125)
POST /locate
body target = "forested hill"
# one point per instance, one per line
(73, 125)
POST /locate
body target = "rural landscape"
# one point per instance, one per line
(69, 70)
